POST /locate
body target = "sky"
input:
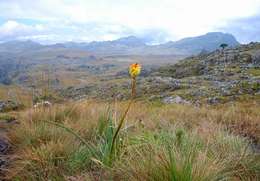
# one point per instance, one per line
(156, 21)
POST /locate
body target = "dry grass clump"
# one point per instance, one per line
(157, 142)
(16, 94)
(177, 155)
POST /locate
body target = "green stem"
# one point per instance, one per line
(124, 115)
(133, 88)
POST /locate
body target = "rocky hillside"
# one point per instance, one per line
(216, 77)
(219, 76)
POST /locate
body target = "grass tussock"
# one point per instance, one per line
(157, 142)
(16, 94)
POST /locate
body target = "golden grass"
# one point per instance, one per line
(16, 93)
(158, 142)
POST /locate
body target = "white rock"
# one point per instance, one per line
(42, 104)
(175, 100)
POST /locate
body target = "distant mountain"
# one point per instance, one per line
(131, 41)
(207, 42)
(118, 47)
(132, 46)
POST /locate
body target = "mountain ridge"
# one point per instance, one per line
(132, 45)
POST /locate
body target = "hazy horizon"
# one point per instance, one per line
(124, 37)
(154, 21)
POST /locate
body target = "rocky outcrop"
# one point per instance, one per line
(219, 76)
(9, 106)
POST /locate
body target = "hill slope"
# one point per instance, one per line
(216, 77)
(220, 75)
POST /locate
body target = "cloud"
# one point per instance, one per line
(85, 20)
(13, 30)
(154, 36)
(53, 32)
(245, 29)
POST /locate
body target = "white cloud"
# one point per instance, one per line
(53, 32)
(12, 29)
(246, 29)
(179, 18)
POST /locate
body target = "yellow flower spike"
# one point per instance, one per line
(134, 70)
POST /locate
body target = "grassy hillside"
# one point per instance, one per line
(158, 142)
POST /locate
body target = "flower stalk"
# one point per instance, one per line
(134, 71)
